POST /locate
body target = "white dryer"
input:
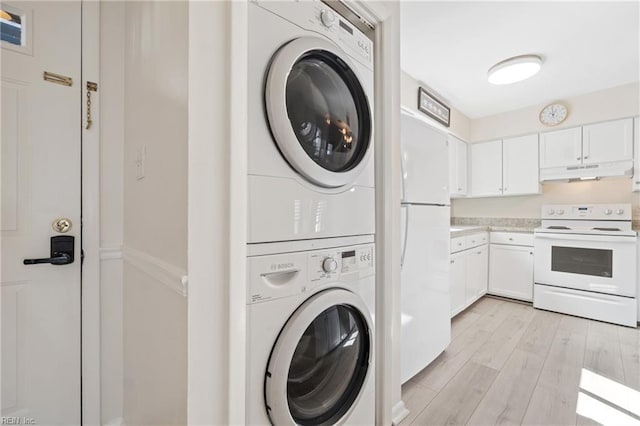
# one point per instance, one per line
(310, 354)
(310, 153)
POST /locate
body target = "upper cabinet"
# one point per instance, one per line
(457, 167)
(486, 168)
(561, 148)
(607, 142)
(520, 165)
(505, 167)
(601, 149)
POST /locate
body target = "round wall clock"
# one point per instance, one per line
(553, 114)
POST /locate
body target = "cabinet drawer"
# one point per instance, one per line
(458, 244)
(476, 240)
(512, 238)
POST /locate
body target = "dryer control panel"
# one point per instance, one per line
(328, 265)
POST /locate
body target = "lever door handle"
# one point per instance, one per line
(61, 252)
(59, 259)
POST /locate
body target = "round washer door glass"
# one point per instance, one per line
(328, 110)
(329, 366)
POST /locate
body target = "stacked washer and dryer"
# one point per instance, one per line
(311, 223)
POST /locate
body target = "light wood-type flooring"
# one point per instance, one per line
(511, 364)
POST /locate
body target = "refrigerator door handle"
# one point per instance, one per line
(404, 235)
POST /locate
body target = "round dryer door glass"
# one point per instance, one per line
(328, 110)
(329, 366)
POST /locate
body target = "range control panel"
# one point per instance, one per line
(330, 264)
(587, 211)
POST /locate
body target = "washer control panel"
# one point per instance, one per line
(328, 265)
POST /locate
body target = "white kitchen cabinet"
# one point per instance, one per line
(511, 271)
(457, 167)
(607, 142)
(561, 148)
(486, 168)
(468, 274)
(458, 281)
(600, 149)
(520, 165)
(505, 167)
(477, 273)
(636, 163)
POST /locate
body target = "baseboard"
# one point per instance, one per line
(172, 276)
(399, 412)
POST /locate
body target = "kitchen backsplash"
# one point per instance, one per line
(502, 222)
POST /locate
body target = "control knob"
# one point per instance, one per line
(560, 212)
(619, 211)
(327, 17)
(329, 265)
(607, 211)
(550, 211)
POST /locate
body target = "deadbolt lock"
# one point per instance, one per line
(61, 224)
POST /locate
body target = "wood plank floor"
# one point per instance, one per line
(511, 364)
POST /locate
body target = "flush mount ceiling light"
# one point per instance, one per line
(514, 69)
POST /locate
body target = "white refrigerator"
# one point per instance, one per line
(425, 215)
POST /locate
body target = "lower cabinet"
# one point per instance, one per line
(511, 271)
(468, 273)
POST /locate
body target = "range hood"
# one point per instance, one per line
(587, 171)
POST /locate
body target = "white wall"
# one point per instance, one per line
(617, 102)
(155, 212)
(460, 124)
(111, 95)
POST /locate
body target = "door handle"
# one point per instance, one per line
(61, 252)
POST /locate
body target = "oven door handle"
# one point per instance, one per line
(582, 237)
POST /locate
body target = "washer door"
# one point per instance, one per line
(320, 362)
(318, 111)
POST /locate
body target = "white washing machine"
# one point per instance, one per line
(310, 153)
(310, 354)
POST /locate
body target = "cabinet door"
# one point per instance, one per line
(511, 271)
(457, 281)
(486, 168)
(636, 165)
(606, 142)
(520, 167)
(561, 148)
(477, 273)
(457, 166)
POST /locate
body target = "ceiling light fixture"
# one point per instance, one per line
(514, 69)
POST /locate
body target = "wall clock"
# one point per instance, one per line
(553, 114)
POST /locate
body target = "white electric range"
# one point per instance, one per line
(585, 262)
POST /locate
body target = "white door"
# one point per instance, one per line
(561, 148)
(520, 165)
(424, 279)
(609, 141)
(458, 281)
(457, 166)
(425, 164)
(41, 136)
(511, 271)
(486, 168)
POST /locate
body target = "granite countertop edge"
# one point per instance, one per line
(456, 231)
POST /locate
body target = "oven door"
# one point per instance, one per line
(598, 263)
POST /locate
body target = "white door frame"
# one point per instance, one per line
(218, 210)
(90, 345)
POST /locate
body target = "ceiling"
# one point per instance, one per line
(585, 47)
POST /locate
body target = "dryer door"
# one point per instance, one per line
(321, 360)
(318, 111)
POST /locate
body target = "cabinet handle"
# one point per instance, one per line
(586, 157)
(505, 189)
(531, 253)
(638, 182)
(453, 261)
(459, 189)
(510, 239)
(578, 158)
(479, 252)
